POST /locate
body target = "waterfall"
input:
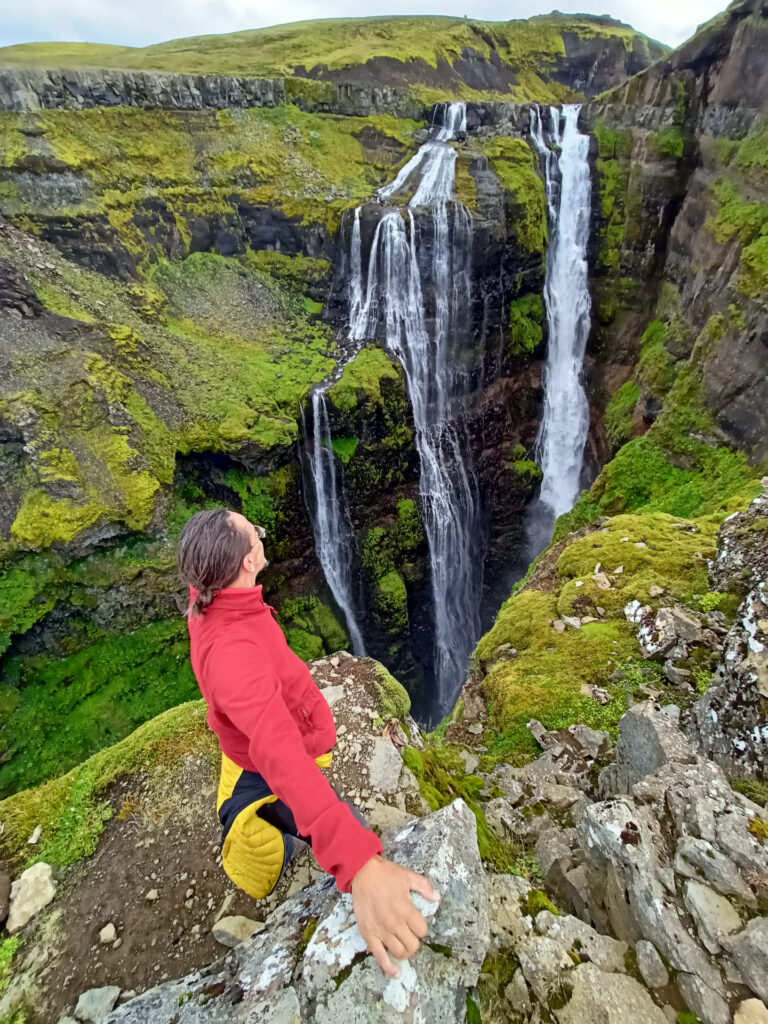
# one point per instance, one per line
(400, 269)
(565, 421)
(332, 528)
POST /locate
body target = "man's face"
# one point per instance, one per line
(255, 560)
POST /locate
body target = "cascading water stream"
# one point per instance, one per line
(400, 269)
(565, 421)
(332, 528)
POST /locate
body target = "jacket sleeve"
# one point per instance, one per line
(247, 691)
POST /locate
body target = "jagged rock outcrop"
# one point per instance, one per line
(670, 192)
(666, 858)
(310, 964)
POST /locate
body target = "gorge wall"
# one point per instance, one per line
(173, 282)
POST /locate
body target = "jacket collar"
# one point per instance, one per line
(234, 598)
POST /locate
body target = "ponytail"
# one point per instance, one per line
(211, 552)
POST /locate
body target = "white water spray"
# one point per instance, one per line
(332, 529)
(400, 268)
(565, 421)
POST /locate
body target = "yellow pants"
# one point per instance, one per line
(253, 851)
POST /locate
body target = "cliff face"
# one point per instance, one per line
(679, 228)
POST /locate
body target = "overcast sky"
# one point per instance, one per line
(153, 21)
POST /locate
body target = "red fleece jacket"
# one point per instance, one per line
(271, 718)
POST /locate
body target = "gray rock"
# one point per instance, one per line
(595, 744)
(335, 982)
(696, 858)
(713, 915)
(385, 765)
(574, 935)
(516, 994)
(607, 998)
(471, 761)
(32, 891)
(231, 931)
(647, 742)
(729, 723)
(94, 1005)
(677, 676)
(108, 934)
(650, 965)
(709, 1006)
(555, 847)
(749, 949)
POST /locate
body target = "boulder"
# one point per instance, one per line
(32, 891)
(647, 742)
(713, 915)
(94, 1006)
(608, 998)
(749, 950)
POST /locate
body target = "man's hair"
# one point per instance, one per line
(211, 551)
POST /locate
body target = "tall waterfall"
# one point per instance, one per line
(334, 543)
(565, 422)
(418, 296)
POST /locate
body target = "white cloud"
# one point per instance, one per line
(150, 21)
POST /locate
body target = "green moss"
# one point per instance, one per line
(758, 827)
(394, 701)
(472, 1010)
(654, 370)
(8, 949)
(513, 161)
(526, 315)
(361, 380)
(752, 789)
(71, 707)
(311, 628)
(72, 809)
(618, 414)
(345, 447)
(392, 602)
(746, 222)
(534, 902)
(668, 141)
(309, 930)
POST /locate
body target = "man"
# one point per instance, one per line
(275, 730)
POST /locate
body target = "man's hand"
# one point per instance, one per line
(386, 917)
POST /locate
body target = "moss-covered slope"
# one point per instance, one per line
(546, 58)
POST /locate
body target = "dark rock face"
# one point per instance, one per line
(26, 90)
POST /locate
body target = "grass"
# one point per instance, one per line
(514, 162)
(361, 380)
(73, 809)
(531, 48)
(544, 679)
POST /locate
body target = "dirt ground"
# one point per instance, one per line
(165, 836)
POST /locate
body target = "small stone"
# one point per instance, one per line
(640, 544)
(152, 895)
(618, 570)
(96, 1004)
(108, 934)
(471, 761)
(117, 943)
(516, 994)
(559, 626)
(34, 839)
(656, 591)
(476, 728)
(651, 965)
(677, 676)
(751, 1011)
(32, 891)
(231, 931)
(573, 621)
